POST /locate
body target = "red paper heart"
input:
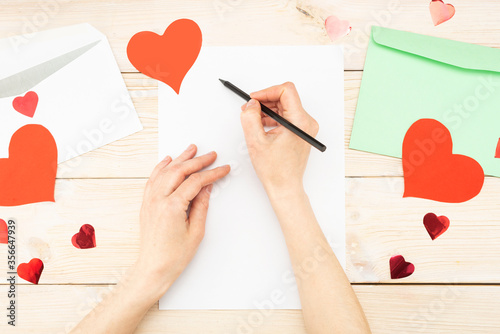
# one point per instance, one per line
(26, 104)
(435, 225)
(497, 152)
(441, 12)
(31, 271)
(4, 232)
(29, 174)
(85, 238)
(336, 28)
(430, 169)
(169, 57)
(400, 268)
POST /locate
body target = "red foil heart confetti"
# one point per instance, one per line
(31, 271)
(85, 238)
(435, 225)
(400, 268)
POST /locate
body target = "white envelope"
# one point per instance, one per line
(83, 100)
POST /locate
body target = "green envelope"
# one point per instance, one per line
(408, 76)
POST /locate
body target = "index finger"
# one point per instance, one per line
(286, 94)
(195, 182)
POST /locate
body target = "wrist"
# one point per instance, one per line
(150, 286)
(287, 192)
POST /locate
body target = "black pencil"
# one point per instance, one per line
(277, 118)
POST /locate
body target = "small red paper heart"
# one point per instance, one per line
(26, 104)
(400, 268)
(85, 238)
(31, 271)
(28, 175)
(169, 57)
(432, 171)
(336, 28)
(4, 232)
(435, 225)
(441, 12)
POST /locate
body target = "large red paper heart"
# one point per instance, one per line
(4, 232)
(31, 271)
(26, 104)
(435, 225)
(169, 57)
(85, 238)
(441, 12)
(497, 151)
(29, 174)
(336, 28)
(432, 171)
(400, 268)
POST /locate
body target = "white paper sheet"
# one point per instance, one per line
(243, 260)
(85, 104)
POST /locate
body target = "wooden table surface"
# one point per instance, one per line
(456, 285)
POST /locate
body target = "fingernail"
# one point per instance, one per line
(190, 147)
(167, 158)
(209, 188)
(251, 103)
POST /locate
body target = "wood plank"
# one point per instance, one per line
(237, 22)
(389, 309)
(120, 159)
(380, 224)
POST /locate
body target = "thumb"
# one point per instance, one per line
(251, 120)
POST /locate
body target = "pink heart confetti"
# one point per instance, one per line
(336, 28)
(441, 12)
(26, 104)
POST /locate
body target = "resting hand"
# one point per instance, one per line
(169, 235)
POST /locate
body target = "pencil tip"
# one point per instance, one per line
(223, 81)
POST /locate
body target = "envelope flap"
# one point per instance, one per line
(33, 60)
(23, 51)
(464, 55)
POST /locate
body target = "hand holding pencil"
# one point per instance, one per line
(278, 118)
(279, 156)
